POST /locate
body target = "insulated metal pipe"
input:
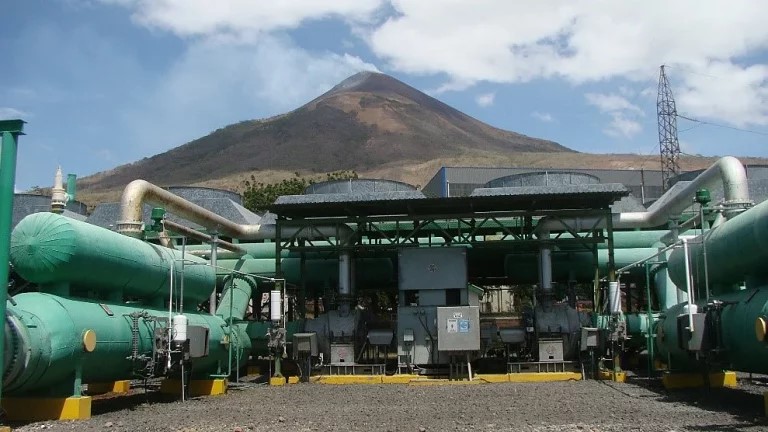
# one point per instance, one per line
(688, 286)
(195, 234)
(545, 268)
(344, 274)
(140, 192)
(728, 171)
(214, 263)
(236, 296)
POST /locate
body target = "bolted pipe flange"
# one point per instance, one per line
(131, 228)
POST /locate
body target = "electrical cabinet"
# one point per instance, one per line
(458, 328)
(432, 268)
(305, 343)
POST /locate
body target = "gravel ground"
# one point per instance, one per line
(559, 406)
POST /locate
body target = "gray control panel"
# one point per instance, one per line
(458, 328)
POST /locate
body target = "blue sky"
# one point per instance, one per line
(107, 82)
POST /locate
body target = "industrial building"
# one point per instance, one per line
(644, 184)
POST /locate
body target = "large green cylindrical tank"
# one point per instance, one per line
(49, 250)
(736, 252)
(741, 348)
(579, 266)
(45, 332)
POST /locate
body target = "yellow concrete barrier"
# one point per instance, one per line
(38, 409)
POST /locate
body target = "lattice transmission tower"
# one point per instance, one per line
(668, 143)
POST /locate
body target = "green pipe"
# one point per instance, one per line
(628, 239)
(650, 333)
(370, 272)
(230, 296)
(46, 333)
(51, 250)
(255, 250)
(10, 130)
(736, 252)
(236, 296)
(71, 187)
(579, 266)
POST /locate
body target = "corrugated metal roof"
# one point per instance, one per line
(224, 203)
(348, 197)
(26, 204)
(482, 175)
(107, 215)
(600, 196)
(461, 181)
(579, 189)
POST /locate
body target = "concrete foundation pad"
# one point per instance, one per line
(606, 375)
(39, 409)
(544, 376)
(212, 387)
(493, 378)
(673, 380)
(347, 379)
(435, 381)
(424, 380)
(277, 381)
(399, 379)
(123, 386)
(765, 403)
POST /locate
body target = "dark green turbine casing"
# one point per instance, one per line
(50, 250)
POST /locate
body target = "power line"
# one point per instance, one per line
(690, 128)
(690, 72)
(721, 125)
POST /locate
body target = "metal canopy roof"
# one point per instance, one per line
(523, 199)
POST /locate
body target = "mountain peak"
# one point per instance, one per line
(368, 120)
(371, 82)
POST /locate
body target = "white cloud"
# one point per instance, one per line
(7, 113)
(622, 112)
(241, 17)
(485, 99)
(622, 126)
(611, 102)
(216, 83)
(587, 41)
(543, 116)
(738, 96)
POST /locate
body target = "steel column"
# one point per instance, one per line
(10, 129)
